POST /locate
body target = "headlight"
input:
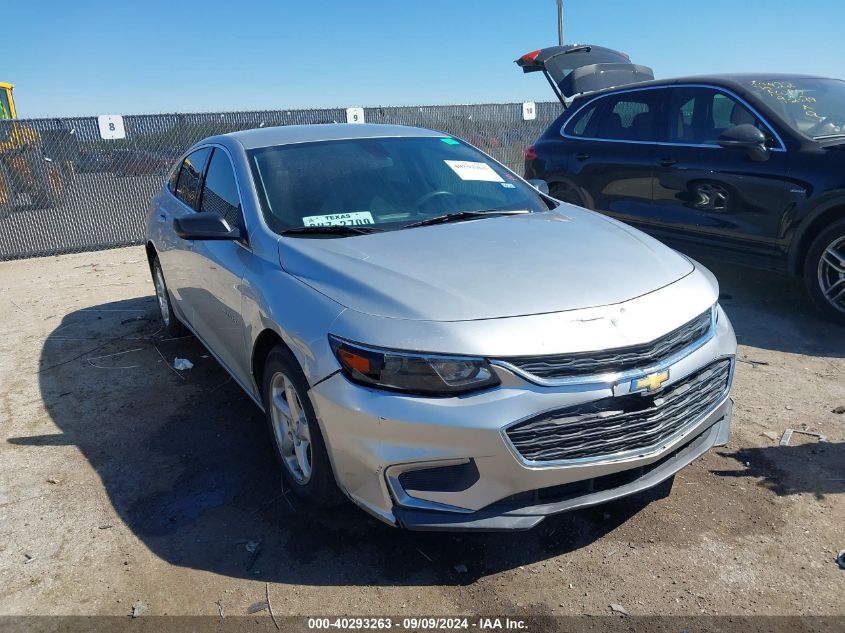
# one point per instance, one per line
(424, 374)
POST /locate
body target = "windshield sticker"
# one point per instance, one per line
(469, 170)
(450, 141)
(508, 185)
(339, 219)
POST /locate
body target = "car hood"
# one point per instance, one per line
(489, 268)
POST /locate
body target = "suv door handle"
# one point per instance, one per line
(582, 156)
(162, 217)
(666, 162)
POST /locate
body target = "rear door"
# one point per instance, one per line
(219, 267)
(609, 147)
(714, 195)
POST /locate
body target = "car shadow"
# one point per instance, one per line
(186, 463)
(772, 311)
(810, 467)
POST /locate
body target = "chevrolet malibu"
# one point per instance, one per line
(432, 336)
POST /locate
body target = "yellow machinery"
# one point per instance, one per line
(27, 175)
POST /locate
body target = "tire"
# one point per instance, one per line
(48, 181)
(299, 447)
(171, 323)
(7, 192)
(568, 194)
(824, 272)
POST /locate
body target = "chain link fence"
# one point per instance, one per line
(65, 189)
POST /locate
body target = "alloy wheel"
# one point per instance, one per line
(290, 428)
(831, 273)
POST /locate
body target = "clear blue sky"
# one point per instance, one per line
(92, 57)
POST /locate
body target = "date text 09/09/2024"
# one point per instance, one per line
(417, 623)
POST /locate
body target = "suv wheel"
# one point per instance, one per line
(172, 325)
(824, 272)
(299, 445)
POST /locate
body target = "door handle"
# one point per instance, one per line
(162, 217)
(582, 156)
(666, 162)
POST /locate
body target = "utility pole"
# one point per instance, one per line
(560, 22)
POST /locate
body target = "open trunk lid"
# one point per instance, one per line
(577, 68)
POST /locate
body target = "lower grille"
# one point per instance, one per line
(621, 424)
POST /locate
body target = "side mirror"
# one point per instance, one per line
(540, 185)
(747, 137)
(205, 226)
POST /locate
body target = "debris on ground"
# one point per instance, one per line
(788, 433)
(461, 569)
(138, 609)
(28, 558)
(840, 559)
(771, 435)
(840, 410)
(270, 606)
(105, 526)
(424, 555)
(220, 609)
(181, 364)
(53, 480)
(753, 363)
(618, 608)
(257, 607)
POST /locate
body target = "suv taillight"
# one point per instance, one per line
(530, 153)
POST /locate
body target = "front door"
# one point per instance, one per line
(218, 270)
(176, 254)
(706, 194)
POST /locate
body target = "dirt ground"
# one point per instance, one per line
(122, 480)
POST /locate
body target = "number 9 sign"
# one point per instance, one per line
(354, 115)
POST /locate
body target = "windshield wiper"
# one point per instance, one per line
(461, 216)
(333, 229)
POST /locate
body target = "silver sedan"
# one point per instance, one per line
(432, 336)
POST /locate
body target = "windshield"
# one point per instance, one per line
(384, 183)
(812, 106)
(5, 109)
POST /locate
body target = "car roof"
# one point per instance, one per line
(734, 80)
(287, 134)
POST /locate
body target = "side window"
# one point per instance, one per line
(630, 116)
(220, 192)
(173, 178)
(580, 123)
(701, 115)
(190, 174)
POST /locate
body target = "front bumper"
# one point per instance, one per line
(374, 436)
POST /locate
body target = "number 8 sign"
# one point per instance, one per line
(111, 126)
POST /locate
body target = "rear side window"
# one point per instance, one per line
(630, 116)
(190, 175)
(580, 123)
(220, 191)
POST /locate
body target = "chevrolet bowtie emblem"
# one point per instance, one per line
(651, 382)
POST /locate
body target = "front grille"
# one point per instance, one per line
(615, 360)
(621, 424)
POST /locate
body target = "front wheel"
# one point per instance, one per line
(172, 325)
(301, 452)
(824, 272)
